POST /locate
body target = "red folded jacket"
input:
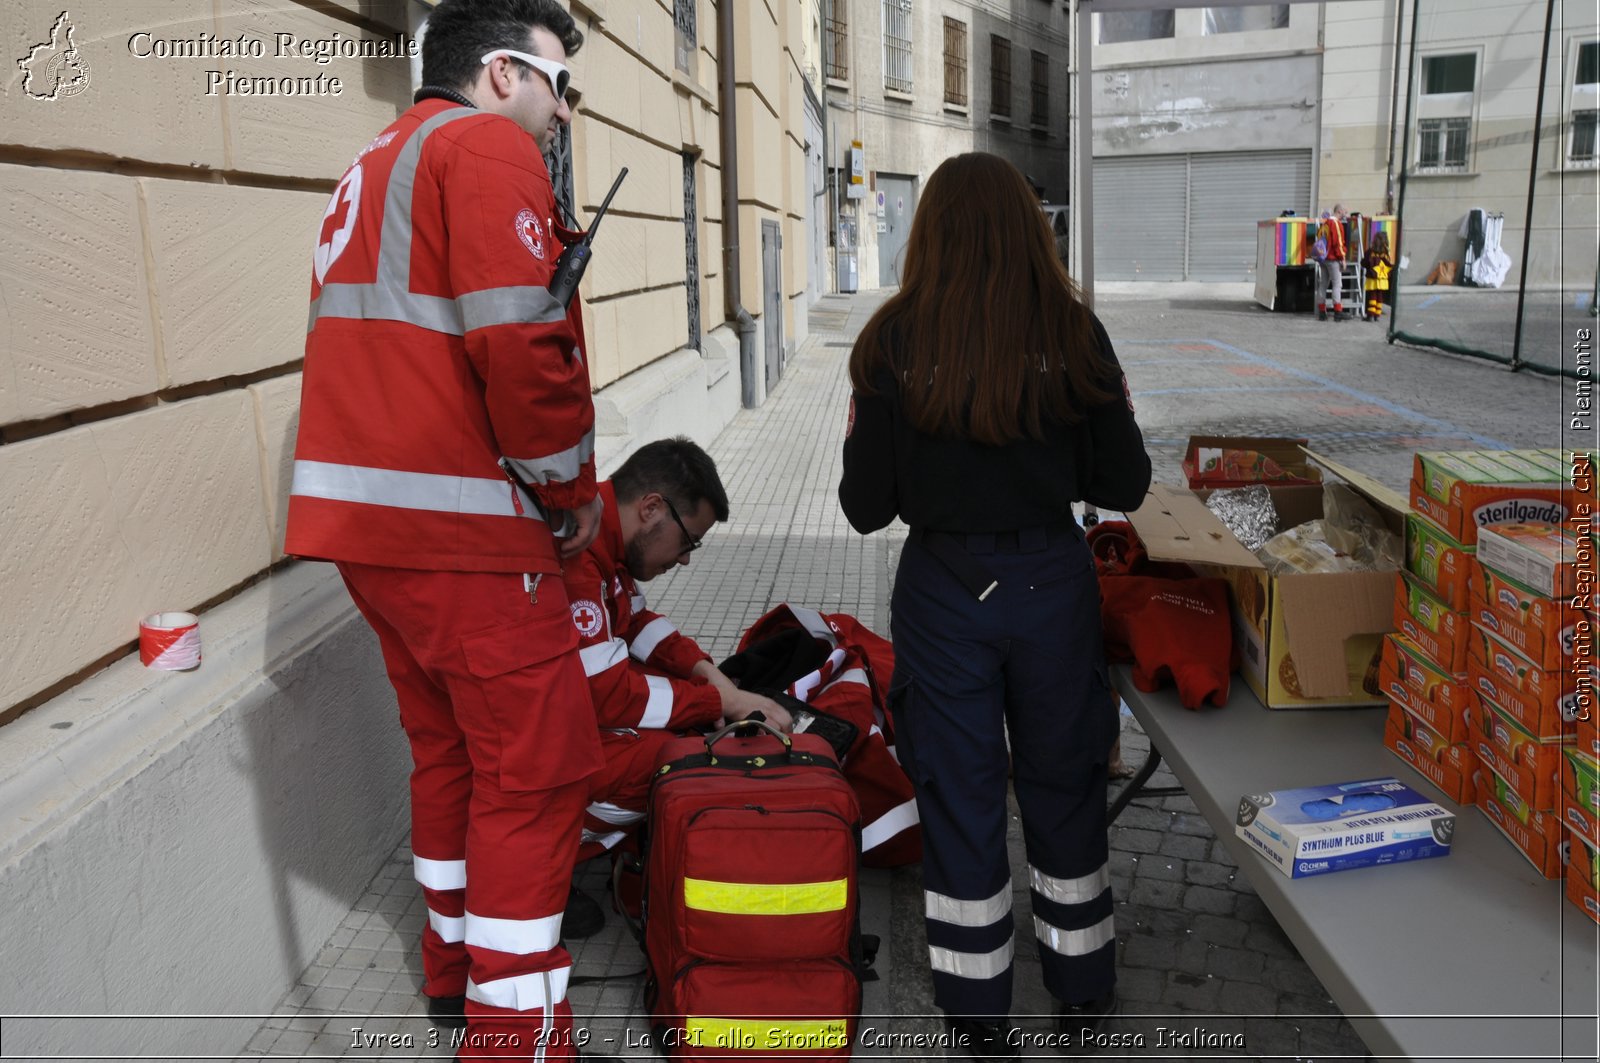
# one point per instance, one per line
(1173, 630)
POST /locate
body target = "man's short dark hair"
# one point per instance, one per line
(677, 469)
(461, 32)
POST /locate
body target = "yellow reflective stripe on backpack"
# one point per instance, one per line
(765, 898)
(813, 1035)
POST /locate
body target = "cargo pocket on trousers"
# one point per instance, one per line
(903, 714)
(535, 701)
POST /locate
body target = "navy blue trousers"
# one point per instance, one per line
(1027, 659)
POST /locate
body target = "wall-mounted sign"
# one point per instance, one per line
(857, 189)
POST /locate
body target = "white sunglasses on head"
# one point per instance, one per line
(555, 73)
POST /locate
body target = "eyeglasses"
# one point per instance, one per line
(555, 73)
(694, 544)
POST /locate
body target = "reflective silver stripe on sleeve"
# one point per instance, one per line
(891, 823)
(523, 992)
(979, 965)
(439, 874)
(649, 637)
(1070, 890)
(967, 913)
(450, 929)
(517, 936)
(562, 466)
(512, 305)
(602, 655)
(1075, 942)
(371, 302)
(407, 490)
(616, 815)
(658, 710)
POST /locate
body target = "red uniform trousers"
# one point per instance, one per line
(503, 739)
(619, 791)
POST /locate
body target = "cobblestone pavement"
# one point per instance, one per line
(1204, 969)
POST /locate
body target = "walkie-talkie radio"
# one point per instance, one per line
(575, 259)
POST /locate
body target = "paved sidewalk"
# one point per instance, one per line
(1204, 969)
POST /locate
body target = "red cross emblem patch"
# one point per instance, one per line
(586, 617)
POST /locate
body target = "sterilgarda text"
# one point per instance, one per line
(318, 50)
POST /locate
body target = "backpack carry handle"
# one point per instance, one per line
(753, 726)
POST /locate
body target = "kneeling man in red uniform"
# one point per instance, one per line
(650, 683)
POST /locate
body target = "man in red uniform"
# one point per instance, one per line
(648, 681)
(435, 358)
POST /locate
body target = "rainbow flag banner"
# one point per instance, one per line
(1290, 240)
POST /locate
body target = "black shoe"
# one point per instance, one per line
(992, 1039)
(1340, 315)
(448, 1012)
(583, 917)
(1080, 1022)
(1322, 315)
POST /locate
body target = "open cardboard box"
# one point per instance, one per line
(1307, 640)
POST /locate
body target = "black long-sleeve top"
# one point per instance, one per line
(956, 485)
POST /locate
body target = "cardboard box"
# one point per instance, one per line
(1305, 639)
(1580, 793)
(1543, 630)
(1438, 562)
(1530, 765)
(1408, 676)
(1583, 876)
(1449, 767)
(1238, 461)
(1424, 618)
(1545, 703)
(1545, 558)
(1316, 830)
(1536, 835)
(1463, 491)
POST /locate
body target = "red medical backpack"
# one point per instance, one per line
(751, 907)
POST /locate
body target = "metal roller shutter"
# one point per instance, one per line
(1191, 217)
(1140, 216)
(1228, 193)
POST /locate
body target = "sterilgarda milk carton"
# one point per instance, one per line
(1320, 829)
(1463, 491)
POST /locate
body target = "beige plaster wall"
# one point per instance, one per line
(152, 309)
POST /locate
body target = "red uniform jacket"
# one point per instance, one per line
(434, 351)
(637, 662)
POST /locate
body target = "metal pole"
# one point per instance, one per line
(1083, 203)
(1533, 173)
(1394, 107)
(1405, 168)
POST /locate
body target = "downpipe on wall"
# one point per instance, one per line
(744, 324)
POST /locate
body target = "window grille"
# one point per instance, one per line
(691, 244)
(683, 24)
(1041, 89)
(897, 45)
(1000, 77)
(1442, 144)
(955, 62)
(835, 40)
(1582, 146)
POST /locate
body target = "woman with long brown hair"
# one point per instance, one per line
(987, 400)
